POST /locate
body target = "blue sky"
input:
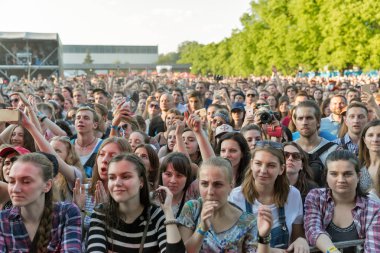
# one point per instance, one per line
(165, 23)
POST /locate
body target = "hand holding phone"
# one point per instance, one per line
(160, 195)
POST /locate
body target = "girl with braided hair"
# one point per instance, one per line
(35, 223)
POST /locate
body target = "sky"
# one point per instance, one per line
(165, 23)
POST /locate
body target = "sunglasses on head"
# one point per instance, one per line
(295, 155)
(218, 122)
(271, 144)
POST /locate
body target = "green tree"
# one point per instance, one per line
(169, 58)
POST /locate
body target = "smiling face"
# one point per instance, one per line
(26, 185)
(214, 185)
(17, 137)
(266, 168)
(124, 184)
(104, 157)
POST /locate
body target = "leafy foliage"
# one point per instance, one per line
(290, 34)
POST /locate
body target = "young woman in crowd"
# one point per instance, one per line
(266, 183)
(191, 145)
(86, 196)
(149, 228)
(369, 154)
(176, 175)
(252, 134)
(21, 137)
(297, 169)
(233, 147)
(237, 116)
(162, 137)
(317, 95)
(283, 109)
(171, 142)
(212, 224)
(150, 159)
(341, 211)
(35, 223)
(138, 137)
(272, 103)
(325, 108)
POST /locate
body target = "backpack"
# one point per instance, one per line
(316, 163)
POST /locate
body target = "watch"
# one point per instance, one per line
(263, 240)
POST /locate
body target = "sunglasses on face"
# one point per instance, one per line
(154, 106)
(124, 126)
(14, 100)
(217, 122)
(251, 95)
(295, 155)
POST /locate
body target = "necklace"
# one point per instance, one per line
(84, 147)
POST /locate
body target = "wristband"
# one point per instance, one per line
(42, 119)
(263, 240)
(114, 127)
(201, 231)
(170, 222)
(332, 249)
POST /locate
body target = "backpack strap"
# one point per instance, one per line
(324, 148)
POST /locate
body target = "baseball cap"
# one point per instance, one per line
(8, 150)
(222, 129)
(237, 106)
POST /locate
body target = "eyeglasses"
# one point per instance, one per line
(295, 155)
(271, 144)
(251, 95)
(260, 104)
(14, 100)
(154, 106)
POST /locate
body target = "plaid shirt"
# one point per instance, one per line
(319, 212)
(66, 234)
(353, 147)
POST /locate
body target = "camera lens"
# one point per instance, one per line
(266, 118)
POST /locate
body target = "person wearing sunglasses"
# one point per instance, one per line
(266, 183)
(298, 170)
(250, 97)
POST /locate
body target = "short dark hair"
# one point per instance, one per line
(308, 104)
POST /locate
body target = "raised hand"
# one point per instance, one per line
(101, 195)
(79, 194)
(264, 220)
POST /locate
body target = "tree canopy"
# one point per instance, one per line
(290, 34)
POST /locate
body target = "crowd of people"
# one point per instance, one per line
(166, 164)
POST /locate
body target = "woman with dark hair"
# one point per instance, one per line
(266, 183)
(129, 212)
(318, 96)
(87, 195)
(369, 155)
(176, 174)
(21, 137)
(162, 137)
(325, 108)
(298, 170)
(35, 223)
(192, 146)
(283, 109)
(138, 137)
(341, 211)
(252, 134)
(150, 159)
(234, 147)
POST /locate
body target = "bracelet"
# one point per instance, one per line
(331, 249)
(263, 240)
(114, 127)
(170, 222)
(42, 119)
(201, 231)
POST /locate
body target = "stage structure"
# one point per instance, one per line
(30, 54)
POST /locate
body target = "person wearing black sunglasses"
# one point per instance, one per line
(298, 170)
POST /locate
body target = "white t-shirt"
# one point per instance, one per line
(324, 155)
(293, 207)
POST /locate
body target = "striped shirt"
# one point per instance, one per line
(319, 212)
(66, 235)
(127, 237)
